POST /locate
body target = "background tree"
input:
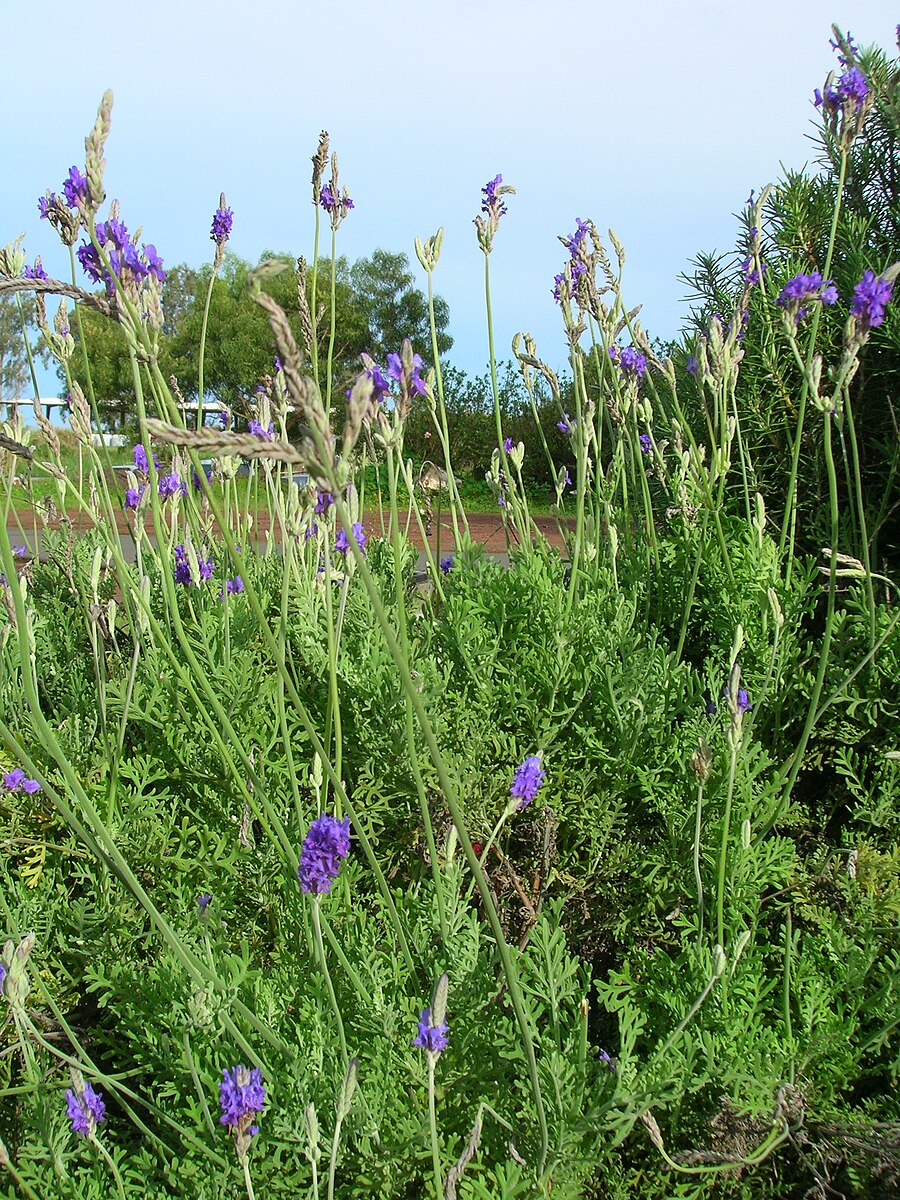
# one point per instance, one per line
(396, 308)
(15, 377)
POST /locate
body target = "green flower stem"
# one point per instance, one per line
(734, 740)
(248, 1183)
(863, 526)
(113, 1169)
(457, 511)
(364, 993)
(698, 876)
(332, 1161)
(789, 524)
(333, 711)
(449, 791)
(432, 1125)
(201, 352)
(323, 967)
(198, 1086)
(786, 994)
(329, 364)
(792, 768)
(412, 749)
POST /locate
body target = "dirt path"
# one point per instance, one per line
(486, 529)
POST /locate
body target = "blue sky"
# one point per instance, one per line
(654, 118)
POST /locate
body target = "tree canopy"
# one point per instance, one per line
(376, 306)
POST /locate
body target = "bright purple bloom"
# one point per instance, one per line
(632, 362)
(573, 242)
(806, 287)
(327, 841)
(527, 780)
(493, 202)
(223, 419)
(85, 1110)
(342, 542)
(566, 425)
(75, 187)
(19, 551)
(221, 226)
(242, 1097)
(310, 531)
(324, 501)
(203, 902)
(257, 430)
(206, 568)
(182, 572)
(133, 497)
(446, 564)
(170, 485)
(870, 296)
(16, 781)
(507, 445)
(743, 700)
(35, 272)
(140, 459)
(234, 586)
(646, 443)
(154, 263)
(45, 204)
(432, 1038)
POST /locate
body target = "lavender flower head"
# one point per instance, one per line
(16, 781)
(507, 445)
(433, 1038)
(170, 485)
(566, 425)
(140, 459)
(327, 841)
(446, 564)
(258, 431)
(802, 288)
(242, 1098)
(527, 780)
(631, 362)
(493, 206)
(75, 188)
(342, 542)
(35, 272)
(133, 497)
(646, 443)
(221, 226)
(85, 1109)
(203, 902)
(870, 296)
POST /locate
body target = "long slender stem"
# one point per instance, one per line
(432, 1124)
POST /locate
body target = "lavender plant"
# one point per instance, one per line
(259, 789)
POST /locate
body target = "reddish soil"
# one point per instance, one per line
(485, 529)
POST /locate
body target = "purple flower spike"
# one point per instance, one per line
(327, 841)
(446, 564)
(646, 443)
(133, 497)
(632, 362)
(75, 188)
(16, 781)
(508, 445)
(242, 1098)
(870, 296)
(203, 902)
(221, 226)
(527, 780)
(566, 425)
(433, 1038)
(140, 459)
(85, 1109)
